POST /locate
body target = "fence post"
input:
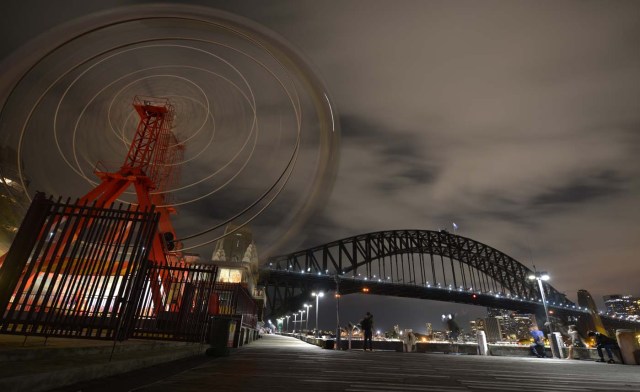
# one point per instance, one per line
(22, 247)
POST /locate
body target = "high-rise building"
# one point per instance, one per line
(474, 326)
(513, 326)
(636, 307)
(429, 329)
(439, 335)
(622, 305)
(492, 329)
(520, 324)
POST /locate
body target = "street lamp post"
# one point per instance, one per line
(307, 320)
(317, 295)
(539, 277)
(287, 317)
(338, 331)
(295, 319)
(301, 313)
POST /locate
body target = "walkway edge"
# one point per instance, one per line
(63, 377)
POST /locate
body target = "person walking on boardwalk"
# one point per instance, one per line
(409, 340)
(367, 328)
(453, 328)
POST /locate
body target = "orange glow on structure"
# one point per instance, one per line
(365, 289)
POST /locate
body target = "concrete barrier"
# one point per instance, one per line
(555, 340)
(483, 346)
(447, 348)
(470, 348)
(629, 348)
(388, 345)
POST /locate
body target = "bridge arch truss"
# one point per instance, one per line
(404, 260)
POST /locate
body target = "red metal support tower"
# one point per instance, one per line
(148, 167)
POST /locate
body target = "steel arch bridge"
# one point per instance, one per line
(408, 263)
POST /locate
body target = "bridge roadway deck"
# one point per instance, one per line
(278, 363)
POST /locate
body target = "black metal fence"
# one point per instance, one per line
(81, 271)
(74, 268)
(234, 299)
(177, 308)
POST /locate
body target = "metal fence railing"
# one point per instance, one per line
(81, 271)
(234, 299)
(181, 312)
(72, 268)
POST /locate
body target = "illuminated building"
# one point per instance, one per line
(439, 335)
(519, 328)
(492, 329)
(622, 305)
(429, 329)
(513, 326)
(474, 326)
(237, 258)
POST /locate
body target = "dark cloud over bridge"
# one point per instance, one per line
(519, 121)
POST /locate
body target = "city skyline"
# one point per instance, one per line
(622, 305)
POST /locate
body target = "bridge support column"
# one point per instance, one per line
(483, 347)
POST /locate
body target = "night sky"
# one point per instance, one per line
(517, 120)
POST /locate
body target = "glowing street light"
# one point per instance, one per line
(301, 313)
(307, 320)
(317, 295)
(295, 320)
(540, 276)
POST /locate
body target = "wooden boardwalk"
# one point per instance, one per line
(284, 364)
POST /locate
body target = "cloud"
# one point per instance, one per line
(518, 121)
